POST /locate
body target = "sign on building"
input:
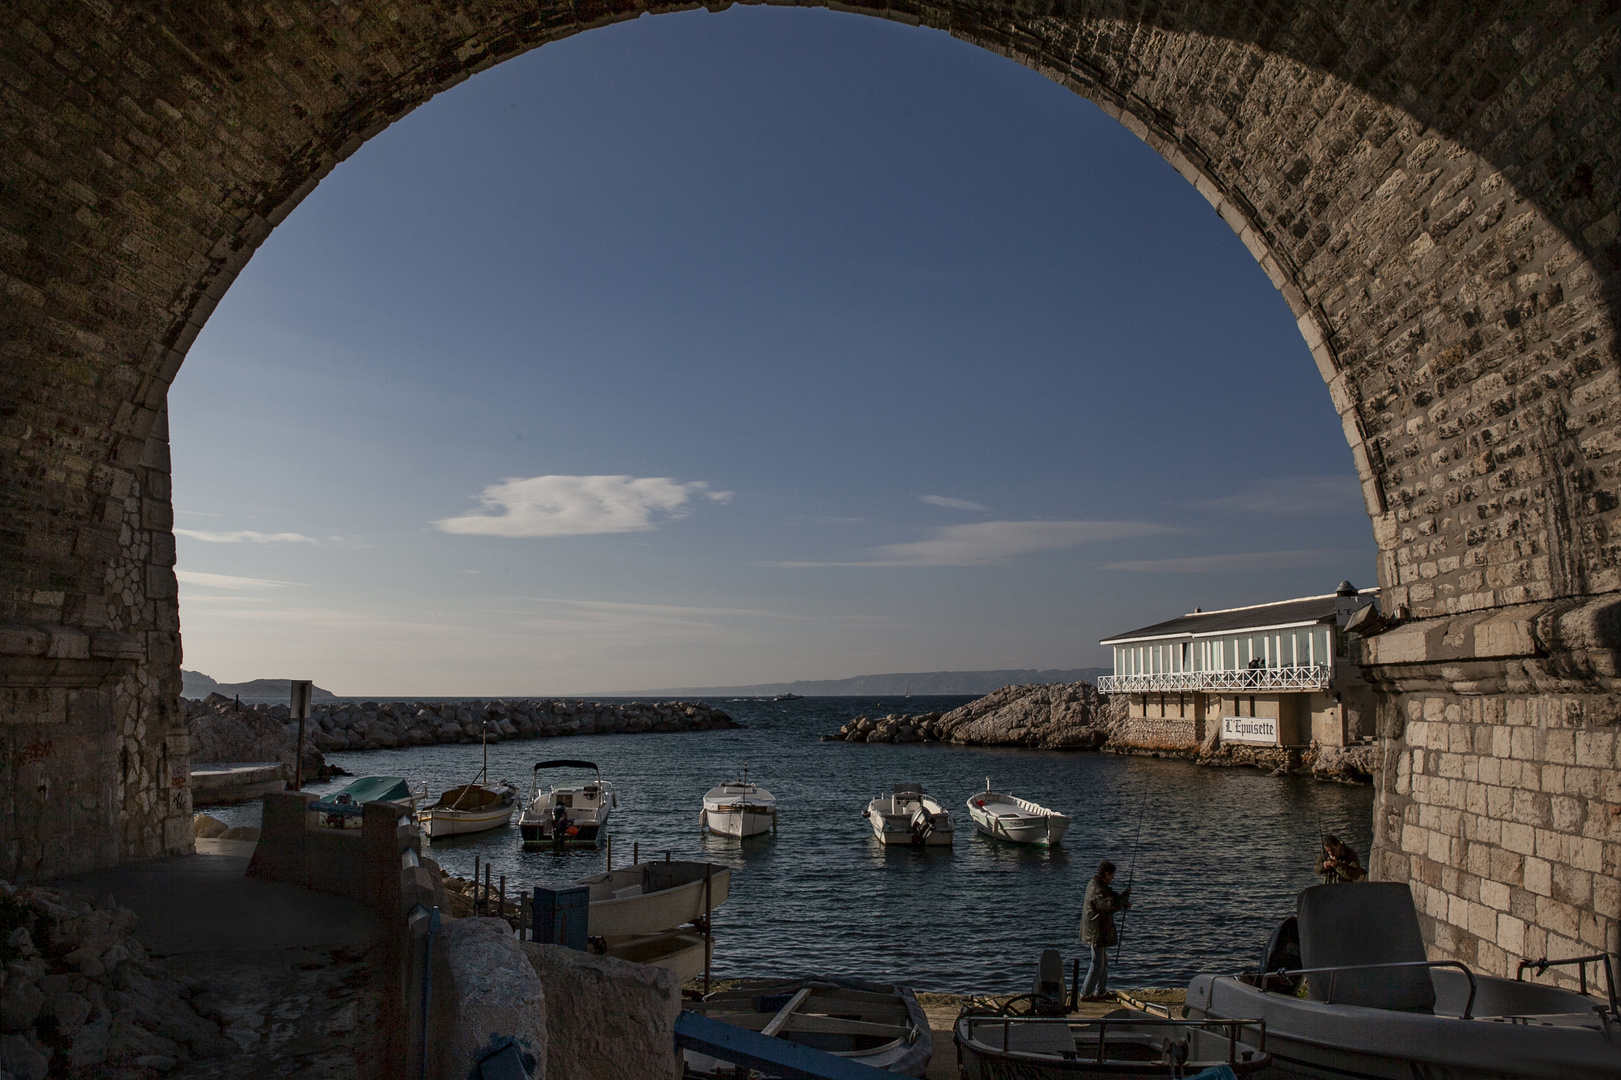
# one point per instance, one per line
(1260, 730)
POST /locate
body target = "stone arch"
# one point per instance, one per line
(1432, 189)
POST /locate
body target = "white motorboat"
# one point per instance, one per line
(651, 897)
(1020, 821)
(1375, 1007)
(907, 816)
(739, 809)
(573, 813)
(875, 1024)
(469, 808)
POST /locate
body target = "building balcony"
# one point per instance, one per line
(1246, 680)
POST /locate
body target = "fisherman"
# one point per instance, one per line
(1097, 927)
(1337, 862)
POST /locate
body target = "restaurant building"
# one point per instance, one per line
(1274, 674)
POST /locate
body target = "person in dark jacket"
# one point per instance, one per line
(1338, 863)
(1097, 927)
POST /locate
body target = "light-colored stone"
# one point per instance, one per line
(497, 995)
(607, 1019)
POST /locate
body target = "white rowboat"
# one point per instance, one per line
(469, 808)
(739, 809)
(651, 897)
(1019, 821)
(909, 817)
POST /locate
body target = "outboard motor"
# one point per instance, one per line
(1047, 995)
(1282, 954)
(922, 826)
(559, 820)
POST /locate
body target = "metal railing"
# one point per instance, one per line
(1333, 974)
(1307, 677)
(1542, 965)
(1234, 1029)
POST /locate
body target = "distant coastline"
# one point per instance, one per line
(896, 684)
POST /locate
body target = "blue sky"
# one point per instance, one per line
(731, 348)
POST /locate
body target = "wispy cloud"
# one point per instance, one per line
(229, 581)
(247, 535)
(954, 504)
(1292, 496)
(1252, 560)
(988, 543)
(580, 506)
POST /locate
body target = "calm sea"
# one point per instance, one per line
(1221, 853)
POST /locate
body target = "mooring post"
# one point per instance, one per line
(709, 924)
(487, 883)
(475, 884)
(501, 908)
(301, 711)
(635, 852)
(610, 853)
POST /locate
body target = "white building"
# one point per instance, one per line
(1272, 675)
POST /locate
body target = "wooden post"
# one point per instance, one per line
(501, 910)
(475, 884)
(301, 710)
(487, 884)
(610, 853)
(709, 925)
(635, 852)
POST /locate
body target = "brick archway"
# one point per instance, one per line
(1432, 190)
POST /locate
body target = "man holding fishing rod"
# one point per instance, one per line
(1097, 927)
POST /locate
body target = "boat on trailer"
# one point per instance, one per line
(573, 813)
(1376, 1008)
(1016, 820)
(876, 1024)
(907, 816)
(739, 809)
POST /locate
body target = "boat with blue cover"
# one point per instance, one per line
(343, 809)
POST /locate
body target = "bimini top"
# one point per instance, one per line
(567, 763)
(1304, 611)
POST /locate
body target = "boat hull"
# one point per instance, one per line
(538, 834)
(438, 824)
(892, 819)
(739, 823)
(1537, 1032)
(1037, 831)
(1014, 1048)
(680, 952)
(623, 905)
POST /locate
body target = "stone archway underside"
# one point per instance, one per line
(1432, 187)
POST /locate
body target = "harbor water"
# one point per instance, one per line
(1217, 855)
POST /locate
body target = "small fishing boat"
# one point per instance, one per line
(907, 816)
(739, 809)
(1124, 1045)
(684, 953)
(651, 897)
(1375, 1007)
(344, 809)
(573, 813)
(469, 808)
(874, 1023)
(1019, 821)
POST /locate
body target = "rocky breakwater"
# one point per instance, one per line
(223, 731)
(80, 998)
(1053, 716)
(372, 725)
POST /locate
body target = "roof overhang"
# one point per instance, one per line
(1235, 631)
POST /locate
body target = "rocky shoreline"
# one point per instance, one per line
(1075, 716)
(223, 730)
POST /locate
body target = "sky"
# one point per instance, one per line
(711, 349)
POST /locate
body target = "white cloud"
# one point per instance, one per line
(1253, 560)
(228, 581)
(579, 506)
(1293, 496)
(249, 535)
(989, 542)
(953, 504)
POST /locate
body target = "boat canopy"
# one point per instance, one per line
(377, 789)
(569, 763)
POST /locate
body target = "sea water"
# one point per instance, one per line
(1216, 855)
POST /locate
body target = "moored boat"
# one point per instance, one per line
(1375, 1007)
(876, 1024)
(572, 813)
(343, 809)
(1124, 1045)
(469, 808)
(907, 816)
(650, 897)
(739, 809)
(1019, 821)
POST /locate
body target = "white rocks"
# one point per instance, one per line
(607, 1019)
(497, 995)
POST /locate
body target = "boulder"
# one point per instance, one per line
(20, 1005)
(607, 1019)
(22, 1059)
(497, 996)
(206, 826)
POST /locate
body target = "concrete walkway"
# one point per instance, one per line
(289, 973)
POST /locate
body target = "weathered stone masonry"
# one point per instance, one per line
(1432, 188)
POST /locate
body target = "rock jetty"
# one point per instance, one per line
(221, 730)
(79, 996)
(1050, 716)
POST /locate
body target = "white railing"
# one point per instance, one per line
(1311, 677)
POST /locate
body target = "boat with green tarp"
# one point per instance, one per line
(343, 809)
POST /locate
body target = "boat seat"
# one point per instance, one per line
(1364, 922)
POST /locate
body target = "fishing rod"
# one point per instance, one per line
(1131, 873)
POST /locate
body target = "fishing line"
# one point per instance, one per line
(1131, 873)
